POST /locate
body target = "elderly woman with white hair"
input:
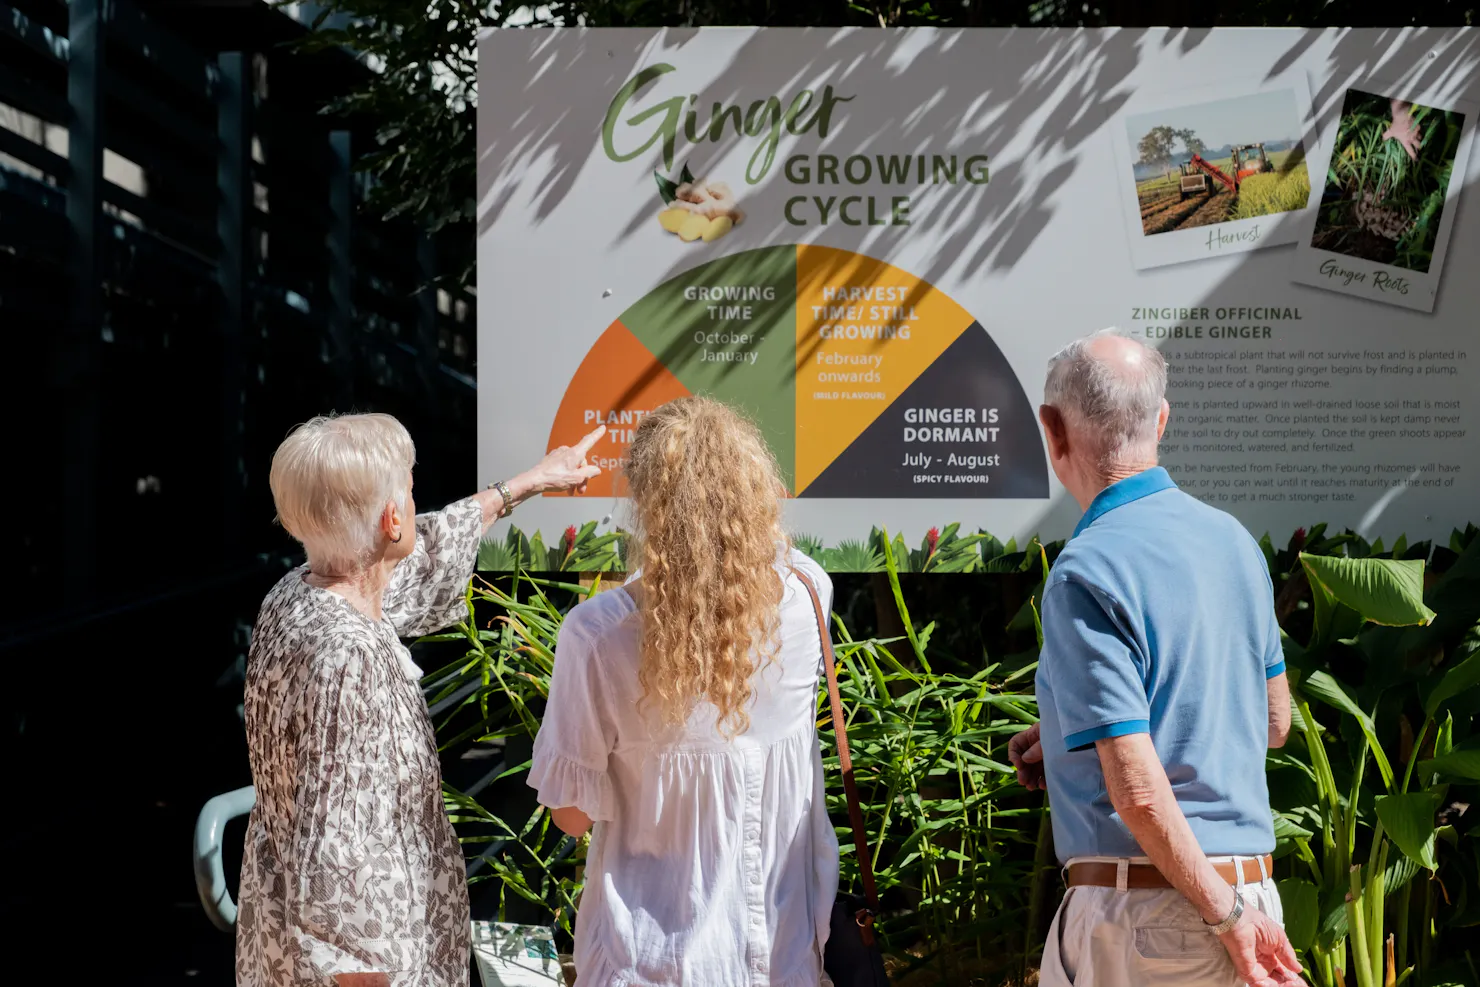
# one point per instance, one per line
(352, 876)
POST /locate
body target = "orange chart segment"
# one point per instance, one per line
(617, 383)
(865, 331)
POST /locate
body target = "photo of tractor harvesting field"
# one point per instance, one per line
(1218, 162)
(1391, 165)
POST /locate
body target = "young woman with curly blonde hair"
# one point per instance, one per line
(682, 722)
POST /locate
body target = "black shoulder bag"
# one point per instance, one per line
(852, 957)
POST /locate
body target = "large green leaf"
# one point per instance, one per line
(1461, 763)
(1400, 870)
(1301, 903)
(1384, 591)
(1444, 738)
(1334, 620)
(1286, 828)
(1408, 820)
(1324, 603)
(1297, 721)
(1333, 918)
(1322, 686)
(1461, 678)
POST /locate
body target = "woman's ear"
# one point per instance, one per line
(390, 521)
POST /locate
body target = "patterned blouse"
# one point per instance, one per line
(351, 865)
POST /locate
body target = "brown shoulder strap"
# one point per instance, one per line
(845, 759)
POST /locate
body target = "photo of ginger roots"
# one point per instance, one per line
(699, 210)
(1388, 184)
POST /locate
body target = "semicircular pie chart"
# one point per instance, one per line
(865, 380)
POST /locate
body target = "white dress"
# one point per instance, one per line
(712, 861)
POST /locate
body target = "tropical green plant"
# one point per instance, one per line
(948, 551)
(495, 692)
(1377, 854)
(942, 550)
(953, 834)
(809, 546)
(1359, 797)
(853, 556)
(1381, 204)
(499, 556)
(580, 549)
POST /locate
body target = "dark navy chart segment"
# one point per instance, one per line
(964, 428)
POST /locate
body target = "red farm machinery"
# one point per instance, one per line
(1199, 174)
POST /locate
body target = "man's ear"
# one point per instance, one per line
(1054, 430)
(1161, 419)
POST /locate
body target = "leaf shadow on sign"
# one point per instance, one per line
(1389, 60)
(1046, 93)
(542, 133)
(1057, 87)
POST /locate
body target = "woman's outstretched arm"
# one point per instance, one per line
(563, 468)
(427, 591)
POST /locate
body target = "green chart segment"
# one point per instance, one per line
(864, 380)
(727, 329)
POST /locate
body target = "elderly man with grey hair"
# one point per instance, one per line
(351, 876)
(1161, 685)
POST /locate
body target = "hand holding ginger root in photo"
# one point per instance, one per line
(1403, 129)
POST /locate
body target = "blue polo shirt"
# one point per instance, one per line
(1158, 617)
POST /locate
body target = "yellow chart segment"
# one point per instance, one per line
(865, 331)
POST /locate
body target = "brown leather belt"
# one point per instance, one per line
(1143, 876)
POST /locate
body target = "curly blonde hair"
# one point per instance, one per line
(706, 494)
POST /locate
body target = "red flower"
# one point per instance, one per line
(1298, 542)
(932, 539)
(570, 539)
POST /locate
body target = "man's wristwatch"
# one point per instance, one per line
(507, 507)
(1228, 923)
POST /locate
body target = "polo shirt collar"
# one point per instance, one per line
(1118, 494)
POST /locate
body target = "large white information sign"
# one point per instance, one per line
(872, 242)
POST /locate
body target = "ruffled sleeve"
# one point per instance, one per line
(562, 781)
(577, 734)
(428, 589)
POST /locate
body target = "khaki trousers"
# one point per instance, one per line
(1102, 937)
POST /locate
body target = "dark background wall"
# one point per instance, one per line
(185, 273)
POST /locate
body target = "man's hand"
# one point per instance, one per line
(1026, 754)
(1261, 952)
(1403, 129)
(1139, 790)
